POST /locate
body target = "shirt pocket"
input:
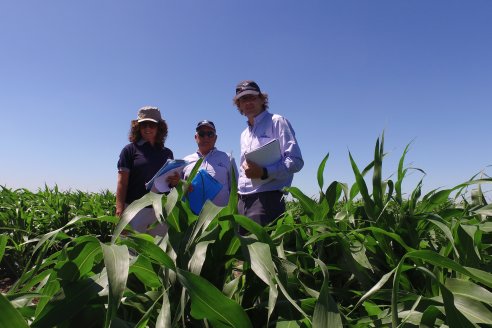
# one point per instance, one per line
(263, 140)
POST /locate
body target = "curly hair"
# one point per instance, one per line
(135, 136)
(262, 95)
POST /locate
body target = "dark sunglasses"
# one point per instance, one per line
(248, 98)
(209, 134)
(149, 124)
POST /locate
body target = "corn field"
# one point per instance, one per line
(361, 255)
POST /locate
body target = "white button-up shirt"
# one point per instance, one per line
(266, 127)
(220, 166)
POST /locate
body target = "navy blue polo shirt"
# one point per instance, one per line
(142, 160)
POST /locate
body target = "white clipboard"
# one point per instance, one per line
(265, 155)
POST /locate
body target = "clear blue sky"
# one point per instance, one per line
(74, 73)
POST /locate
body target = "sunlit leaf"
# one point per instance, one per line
(10, 317)
(326, 313)
(207, 302)
(117, 262)
(321, 170)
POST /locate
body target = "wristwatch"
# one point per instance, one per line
(265, 174)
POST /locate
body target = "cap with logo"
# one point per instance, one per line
(247, 87)
(149, 113)
(210, 124)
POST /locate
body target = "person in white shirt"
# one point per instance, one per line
(260, 188)
(218, 164)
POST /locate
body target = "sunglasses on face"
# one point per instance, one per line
(248, 98)
(209, 134)
(149, 124)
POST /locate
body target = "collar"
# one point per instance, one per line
(210, 152)
(259, 117)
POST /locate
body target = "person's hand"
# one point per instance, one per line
(173, 180)
(119, 210)
(252, 170)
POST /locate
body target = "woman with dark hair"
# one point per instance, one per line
(138, 163)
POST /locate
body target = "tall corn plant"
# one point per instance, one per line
(353, 258)
(423, 251)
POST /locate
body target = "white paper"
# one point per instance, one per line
(161, 184)
(265, 155)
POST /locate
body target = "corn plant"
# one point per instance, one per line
(360, 255)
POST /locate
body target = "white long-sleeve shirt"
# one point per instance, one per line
(266, 127)
(220, 166)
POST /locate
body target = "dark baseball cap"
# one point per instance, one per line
(247, 87)
(210, 124)
(149, 113)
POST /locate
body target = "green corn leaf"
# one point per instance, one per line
(390, 190)
(447, 232)
(401, 175)
(199, 256)
(231, 207)
(172, 216)
(361, 184)
(52, 234)
(394, 236)
(434, 199)
(354, 190)
(129, 213)
(437, 199)
(195, 169)
(151, 251)
(411, 316)
(430, 316)
(207, 302)
(142, 268)
(51, 287)
(444, 262)
(358, 252)
(308, 205)
(474, 310)
(485, 210)
(262, 265)
(470, 238)
(481, 276)
(164, 317)
(321, 170)
(207, 214)
(326, 313)
(454, 318)
(10, 317)
(264, 268)
(117, 262)
(230, 288)
(377, 188)
(468, 289)
(252, 227)
(3, 243)
(384, 279)
(76, 296)
(333, 193)
(288, 324)
(413, 201)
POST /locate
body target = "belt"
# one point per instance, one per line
(257, 194)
